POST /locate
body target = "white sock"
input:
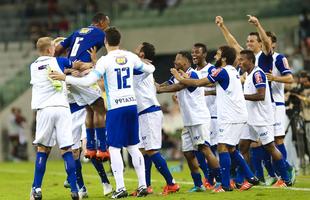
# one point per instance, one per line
(117, 166)
(138, 163)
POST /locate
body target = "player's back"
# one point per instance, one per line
(43, 92)
(117, 69)
(82, 40)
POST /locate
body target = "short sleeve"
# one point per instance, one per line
(259, 79)
(193, 75)
(282, 65)
(100, 67)
(67, 42)
(217, 75)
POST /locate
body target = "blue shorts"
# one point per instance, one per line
(122, 127)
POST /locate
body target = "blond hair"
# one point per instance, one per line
(44, 43)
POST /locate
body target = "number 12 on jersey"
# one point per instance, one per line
(122, 75)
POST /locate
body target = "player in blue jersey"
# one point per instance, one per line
(122, 116)
(78, 44)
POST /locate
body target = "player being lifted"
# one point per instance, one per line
(122, 117)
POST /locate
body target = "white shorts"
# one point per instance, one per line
(245, 133)
(229, 133)
(54, 124)
(263, 133)
(85, 95)
(280, 117)
(78, 127)
(213, 132)
(194, 135)
(150, 130)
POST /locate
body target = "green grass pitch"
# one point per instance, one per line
(16, 179)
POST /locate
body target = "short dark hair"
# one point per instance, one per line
(272, 35)
(256, 34)
(98, 17)
(186, 55)
(149, 50)
(202, 46)
(113, 36)
(249, 55)
(229, 53)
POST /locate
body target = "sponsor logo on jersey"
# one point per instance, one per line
(121, 60)
(258, 77)
(84, 31)
(124, 100)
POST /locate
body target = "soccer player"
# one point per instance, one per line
(196, 119)
(259, 43)
(78, 114)
(79, 43)
(199, 55)
(281, 74)
(231, 112)
(150, 123)
(261, 120)
(53, 118)
(122, 116)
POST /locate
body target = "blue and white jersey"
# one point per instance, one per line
(117, 70)
(280, 68)
(44, 93)
(144, 86)
(230, 100)
(261, 112)
(82, 40)
(265, 62)
(210, 99)
(192, 103)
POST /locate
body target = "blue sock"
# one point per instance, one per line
(197, 179)
(225, 163)
(148, 167)
(101, 138)
(79, 176)
(268, 164)
(100, 169)
(70, 169)
(282, 149)
(162, 167)
(239, 177)
(256, 160)
(90, 137)
(39, 170)
(215, 173)
(242, 164)
(202, 163)
(281, 168)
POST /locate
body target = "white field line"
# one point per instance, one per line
(12, 171)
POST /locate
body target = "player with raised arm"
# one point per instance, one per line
(260, 122)
(122, 117)
(231, 112)
(280, 75)
(79, 43)
(53, 120)
(196, 119)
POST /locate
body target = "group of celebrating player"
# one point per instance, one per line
(235, 105)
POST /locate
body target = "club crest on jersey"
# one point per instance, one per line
(258, 77)
(215, 72)
(84, 31)
(121, 60)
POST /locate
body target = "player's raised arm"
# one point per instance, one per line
(230, 39)
(266, 43)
